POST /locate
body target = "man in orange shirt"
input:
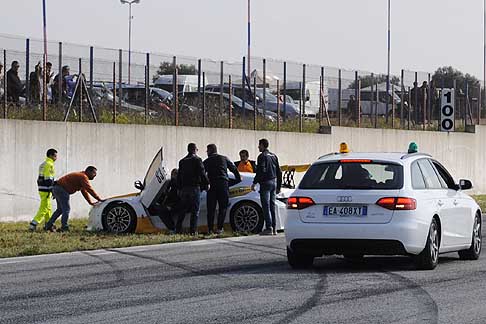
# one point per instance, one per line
(245, 164)
(66, 186)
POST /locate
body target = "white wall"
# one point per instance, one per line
(122, 153)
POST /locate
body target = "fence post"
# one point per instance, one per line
(479, 106)
(415, 99)
(304, 93)
(175, 91)
(5, 84)
(243, 89)
(340, 85)
(358, 102)
(80, 89)
(300, 108)
(230, 86)
(120, 79)
(356, 95)
(402, 105)
(199, 101)
(278, 105)
(393, 106)
(321, 96)
(114, 93)
(377, 92)
(59, 89)
(409, 110)
(254, 104)
(429, 100)
(221, 89)
(285, 91)
(27, 70)
(204, 100)
(147, 85)
(264, 89)
(91, 66)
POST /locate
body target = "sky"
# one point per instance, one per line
(351, 34)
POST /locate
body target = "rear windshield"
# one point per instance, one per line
(337, 175)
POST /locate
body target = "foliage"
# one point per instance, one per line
(444, 78)
(167, 68)
(368, 80)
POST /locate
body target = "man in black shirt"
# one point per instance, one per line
(191, 179)
(14, 85)
(269, 177)
(217, 166)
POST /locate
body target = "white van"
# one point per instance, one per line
(311, 97)
(185, 83)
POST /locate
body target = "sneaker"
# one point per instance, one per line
(64, 229)
(219, 232)
(32, 227)
(194, 234)
(266, 232)
(274, 231)
(51, 229)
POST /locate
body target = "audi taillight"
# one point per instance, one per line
(397, 203)
(299, 202)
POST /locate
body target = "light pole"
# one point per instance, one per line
(44, 65)
(388, 67)
(484, 54)
(130, 17)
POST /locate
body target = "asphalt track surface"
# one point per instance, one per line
(243, 280)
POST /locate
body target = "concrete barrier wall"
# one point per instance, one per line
(122, 153)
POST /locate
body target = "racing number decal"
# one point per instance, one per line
(447, 110)
(159, 175)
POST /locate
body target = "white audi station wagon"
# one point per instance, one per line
(360, 204)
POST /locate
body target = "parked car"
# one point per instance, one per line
(160, 100)
(185, 83)
(271, 103)
(190, 99)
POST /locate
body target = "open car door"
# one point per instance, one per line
(154, 180)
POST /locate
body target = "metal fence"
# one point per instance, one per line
(277, 95)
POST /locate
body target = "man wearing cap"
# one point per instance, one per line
(68, 185)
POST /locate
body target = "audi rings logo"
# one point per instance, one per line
(344, 199)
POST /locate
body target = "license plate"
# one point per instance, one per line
(345, 211)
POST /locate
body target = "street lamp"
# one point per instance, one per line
(130, 17)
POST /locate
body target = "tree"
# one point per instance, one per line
(444, 78)
(167, 68)
(367, 80)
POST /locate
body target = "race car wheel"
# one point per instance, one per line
(119, 218)
(246, 217)
(475, 250)
(299, 261)
(429, 257)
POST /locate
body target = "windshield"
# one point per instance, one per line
(162, 93)
(268, 95)
(355, 175)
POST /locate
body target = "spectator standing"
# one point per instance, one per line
(351, 107)
(45, 182)
(191, 179)
(1, 81)
(56, 96)
(68, 185)
(35, 81)
(245, 164)
(14, 85)
(168, 205)
(217, 166)
(269, 177)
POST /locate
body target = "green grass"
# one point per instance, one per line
(16, 240)
(481, 200)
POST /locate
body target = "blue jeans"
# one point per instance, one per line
(267, 198)
(190, 200)
(63, 207)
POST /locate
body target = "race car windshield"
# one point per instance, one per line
(358, 176)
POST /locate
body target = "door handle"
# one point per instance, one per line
(440, 203)
(455, 203)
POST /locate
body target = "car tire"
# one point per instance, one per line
(475, 250)
(119, 218)
(429, 257)
(298, 260)
(246, 217)
(354, 257)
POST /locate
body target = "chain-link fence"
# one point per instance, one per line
(94, 84)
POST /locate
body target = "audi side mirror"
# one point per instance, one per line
(139, 185)
(465, 184)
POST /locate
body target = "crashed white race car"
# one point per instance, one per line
(130, 213)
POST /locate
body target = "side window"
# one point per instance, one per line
(417, 177)
(444, 176)
(430, 176)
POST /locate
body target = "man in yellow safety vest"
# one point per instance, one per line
(45, 182)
